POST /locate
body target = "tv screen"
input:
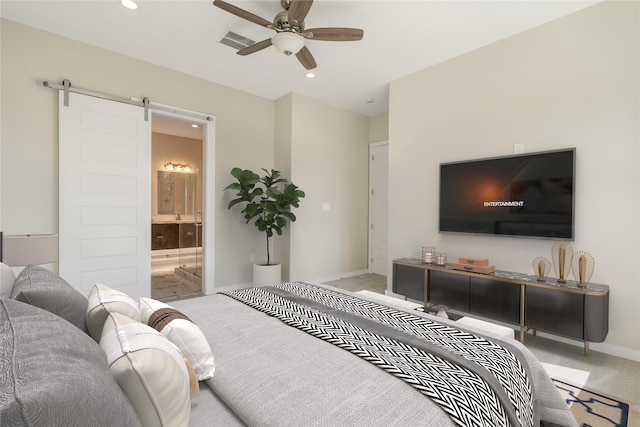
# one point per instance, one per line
(526, 195)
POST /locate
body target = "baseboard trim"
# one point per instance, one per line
(337, 277)
(602, 347)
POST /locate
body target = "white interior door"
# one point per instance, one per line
(378, 207)
(105, 195)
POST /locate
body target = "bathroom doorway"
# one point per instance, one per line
(177, 200)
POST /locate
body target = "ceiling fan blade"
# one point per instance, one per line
(298, 9)
(334, 34)
(254, 47)
(306, 59)
(242, 13)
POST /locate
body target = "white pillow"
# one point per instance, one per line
(7, 277)
(102, 301)
(181, 331)
(150, 370)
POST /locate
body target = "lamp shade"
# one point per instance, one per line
(288, 42)
(25, 249)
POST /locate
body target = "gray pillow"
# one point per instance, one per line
(43, 288)
(6, 280)
(54, 374)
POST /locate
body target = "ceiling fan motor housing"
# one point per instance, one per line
(281, 23)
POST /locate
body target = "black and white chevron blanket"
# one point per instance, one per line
(474, 380)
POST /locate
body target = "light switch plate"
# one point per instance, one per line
(518, 148)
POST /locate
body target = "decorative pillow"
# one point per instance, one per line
(53, 374)
(181, 331)
(6, 280)
(150, 369)
(43, 288)
(102, 301)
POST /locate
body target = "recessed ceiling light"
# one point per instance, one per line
(129, 4)
(370, 100)
(310, 75)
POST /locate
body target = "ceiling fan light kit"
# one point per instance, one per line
(290, 30)
(129, 4)
(288, 42)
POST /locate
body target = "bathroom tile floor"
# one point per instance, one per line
(168, 286)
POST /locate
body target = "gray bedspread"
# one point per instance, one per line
(270, 374)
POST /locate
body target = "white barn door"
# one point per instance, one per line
(105, 195)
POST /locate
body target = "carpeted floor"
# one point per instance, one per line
(594, 408)
(371, 282)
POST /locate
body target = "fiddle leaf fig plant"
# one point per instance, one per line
(268, 200)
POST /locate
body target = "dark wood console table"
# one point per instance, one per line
(569, 310)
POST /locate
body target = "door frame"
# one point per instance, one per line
(208, 187)
(370, 251)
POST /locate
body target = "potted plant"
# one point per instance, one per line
(268, 201)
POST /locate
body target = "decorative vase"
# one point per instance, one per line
(267, 274)
(582, 265)
(541, 267)
(562, 253)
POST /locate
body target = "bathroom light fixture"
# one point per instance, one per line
(178, 167)
(194, 125)
(288, 42)
(129, 4)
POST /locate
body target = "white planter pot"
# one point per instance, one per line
(266, 275)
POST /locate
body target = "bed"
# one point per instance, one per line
(298, 354)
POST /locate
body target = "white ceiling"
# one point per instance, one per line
(171, 126)
(400, 37)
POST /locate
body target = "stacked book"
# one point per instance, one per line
(476, 265)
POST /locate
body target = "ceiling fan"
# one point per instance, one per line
(290, 30)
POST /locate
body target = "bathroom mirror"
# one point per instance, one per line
(177, 193)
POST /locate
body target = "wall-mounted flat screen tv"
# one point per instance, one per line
(525, 195)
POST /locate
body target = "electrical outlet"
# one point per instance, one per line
(252, 258)
(518, 148)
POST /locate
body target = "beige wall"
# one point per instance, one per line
(29, 134)
(569, 83)
(246, 129)
(379, 127)
(329, 162)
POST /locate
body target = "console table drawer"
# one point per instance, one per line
(408, 281)
(451, 290)
(495, 299)
(559, 312)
